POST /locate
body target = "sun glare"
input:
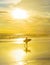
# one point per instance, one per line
(20, 63)
(19, 40)
(17, 54)
(18, 13)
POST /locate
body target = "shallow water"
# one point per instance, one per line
(12, 53)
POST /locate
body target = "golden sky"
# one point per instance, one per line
(38, 22)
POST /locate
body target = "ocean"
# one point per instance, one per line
(12, 52)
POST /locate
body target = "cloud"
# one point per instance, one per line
(42, 8)
(38, 5)
(6, 3)
(9, 1)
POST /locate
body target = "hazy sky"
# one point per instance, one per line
(40, 8)
(42, 5)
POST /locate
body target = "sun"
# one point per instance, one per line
(18, 13)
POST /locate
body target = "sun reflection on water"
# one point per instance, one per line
(18, 55)
(20, 63)
(19, 40)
